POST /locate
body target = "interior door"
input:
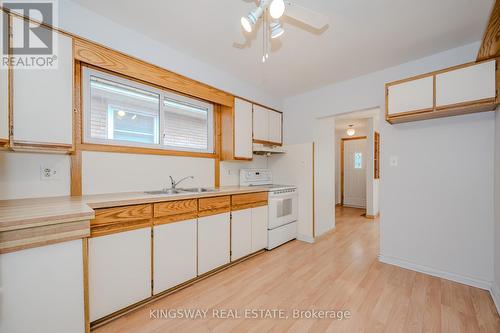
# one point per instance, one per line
(355, 173)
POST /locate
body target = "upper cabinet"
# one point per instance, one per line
(43, 99)
(411, 96)
(458, 90)
(237, 131)
(246, 123)
(267, 125)
(465, 85)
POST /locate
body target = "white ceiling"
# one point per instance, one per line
(363, 36)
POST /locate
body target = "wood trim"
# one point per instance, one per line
(86, 306)
(342, 159)
(227, 132)
(443, 113)
(76, 173)
(4, 142)
(248, 200)
(376, 155)
(21, 239)
(119, 219)
(140, 150)
(269, 142)
(490, 46)
(175, 211)
(485, 101)
(60, 148)
(314, 189)
(218, 142)
(214, 205)
(115, 61)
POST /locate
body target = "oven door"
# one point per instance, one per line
(283, 209)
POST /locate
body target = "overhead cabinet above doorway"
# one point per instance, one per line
(458, 90)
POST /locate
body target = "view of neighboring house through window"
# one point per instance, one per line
(123, 112)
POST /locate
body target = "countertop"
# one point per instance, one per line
(28, 223)
(40, 212)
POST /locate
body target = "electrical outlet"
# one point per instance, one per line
(394, 161)
(48, 172)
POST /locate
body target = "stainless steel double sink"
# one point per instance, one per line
(173, 191)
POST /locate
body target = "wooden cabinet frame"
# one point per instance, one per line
(446, 110)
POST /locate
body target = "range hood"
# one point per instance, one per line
(265, 149)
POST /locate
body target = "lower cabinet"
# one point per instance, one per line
(119, 271)
(174, 254)
(213, 242)
(248, 231)
(259, 228)
(42, 289)
(241, 233)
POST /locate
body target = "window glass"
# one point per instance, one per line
(358, 160)
(186, 126)
(122, 112)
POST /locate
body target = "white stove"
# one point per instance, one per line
(283, 205)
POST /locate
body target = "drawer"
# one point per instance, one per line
(214, 205)
(248, 200)
(118, 219)
(173, 211)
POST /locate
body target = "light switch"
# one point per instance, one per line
(394, 161)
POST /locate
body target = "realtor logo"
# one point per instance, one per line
(31, 44)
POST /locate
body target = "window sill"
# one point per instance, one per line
(141, 150)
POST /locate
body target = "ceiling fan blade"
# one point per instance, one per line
(306, 15)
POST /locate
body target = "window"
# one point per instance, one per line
(358, 160)
(123, 112)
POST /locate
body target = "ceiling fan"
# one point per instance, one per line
(271, 11)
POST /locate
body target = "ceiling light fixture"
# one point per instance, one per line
(121, 113)
(277, 8)
(350, 131)
(276, 30)
(247, 22)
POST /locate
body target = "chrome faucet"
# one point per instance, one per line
(174, 183)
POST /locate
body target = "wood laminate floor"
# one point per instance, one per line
(339, 272)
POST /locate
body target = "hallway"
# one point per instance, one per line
(339, 272)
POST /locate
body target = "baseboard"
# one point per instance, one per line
(470, 281)
(495, 294)
(305, 238)
(372, 217)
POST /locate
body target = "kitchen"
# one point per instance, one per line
(139, 186)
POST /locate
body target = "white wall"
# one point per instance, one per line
(20, 175)
(496, 281)
(113, 172)
(230, 170)
(437, 205)
(85, 23)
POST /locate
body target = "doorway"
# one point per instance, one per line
(353, 172)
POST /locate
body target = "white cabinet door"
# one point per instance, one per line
(468, 84)
(43, 98)
(119, 271)
(411, 96)
(241, 233)
(4, 95)
(42, 289)
(275, 122)
(260, 123)
(213, 242)
(242, 129)
(174, 254)
(259, 228)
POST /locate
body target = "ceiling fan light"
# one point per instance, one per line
(276, 30)
(277, 8)
(246, 24)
